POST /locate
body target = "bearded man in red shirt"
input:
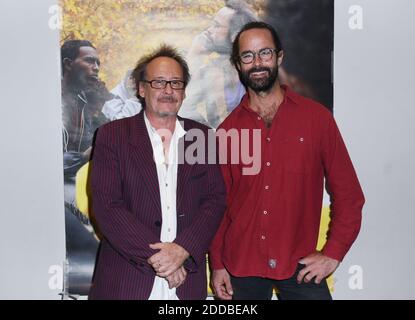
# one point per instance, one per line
(269, 233)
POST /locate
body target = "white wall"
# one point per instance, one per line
(374, 107)
(32, 235)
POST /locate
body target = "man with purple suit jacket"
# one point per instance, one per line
(157, 214)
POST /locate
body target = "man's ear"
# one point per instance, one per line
(140, 89)
(238, 66)
(280, 58)
(67, 64)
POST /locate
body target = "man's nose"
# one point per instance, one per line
(168, 89)
(257, 60)
(95, 67)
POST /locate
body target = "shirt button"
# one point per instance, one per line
(272, 263)
(268, 139)
(263, 237)
(266, 187)
(268, 164)
(265, 212)
(259, 118)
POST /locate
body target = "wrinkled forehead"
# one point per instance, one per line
(165, 68)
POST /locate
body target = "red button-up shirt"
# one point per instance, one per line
(272, 218)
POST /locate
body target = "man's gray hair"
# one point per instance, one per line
(139, 72)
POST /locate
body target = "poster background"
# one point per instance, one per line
(124, 30)
(374, 109)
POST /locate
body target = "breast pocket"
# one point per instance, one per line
(297, 155)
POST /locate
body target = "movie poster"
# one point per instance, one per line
(114, 34)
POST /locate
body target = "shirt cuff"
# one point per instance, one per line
(334, 250)
(216, 262)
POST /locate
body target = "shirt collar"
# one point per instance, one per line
(179, 128)
(289, 94)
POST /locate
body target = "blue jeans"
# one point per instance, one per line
(257, 288)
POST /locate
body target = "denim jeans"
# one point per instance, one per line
(257, 288)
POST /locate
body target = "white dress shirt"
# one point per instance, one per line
(167, 178)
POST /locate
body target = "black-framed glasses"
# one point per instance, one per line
(264, 54)
(161, 84)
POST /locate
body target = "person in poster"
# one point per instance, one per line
(210, 66)
(83, 95)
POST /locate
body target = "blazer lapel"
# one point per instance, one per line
(183, 169)
(142, 151)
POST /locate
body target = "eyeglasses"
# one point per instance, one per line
(161, 84)
(264, 54)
